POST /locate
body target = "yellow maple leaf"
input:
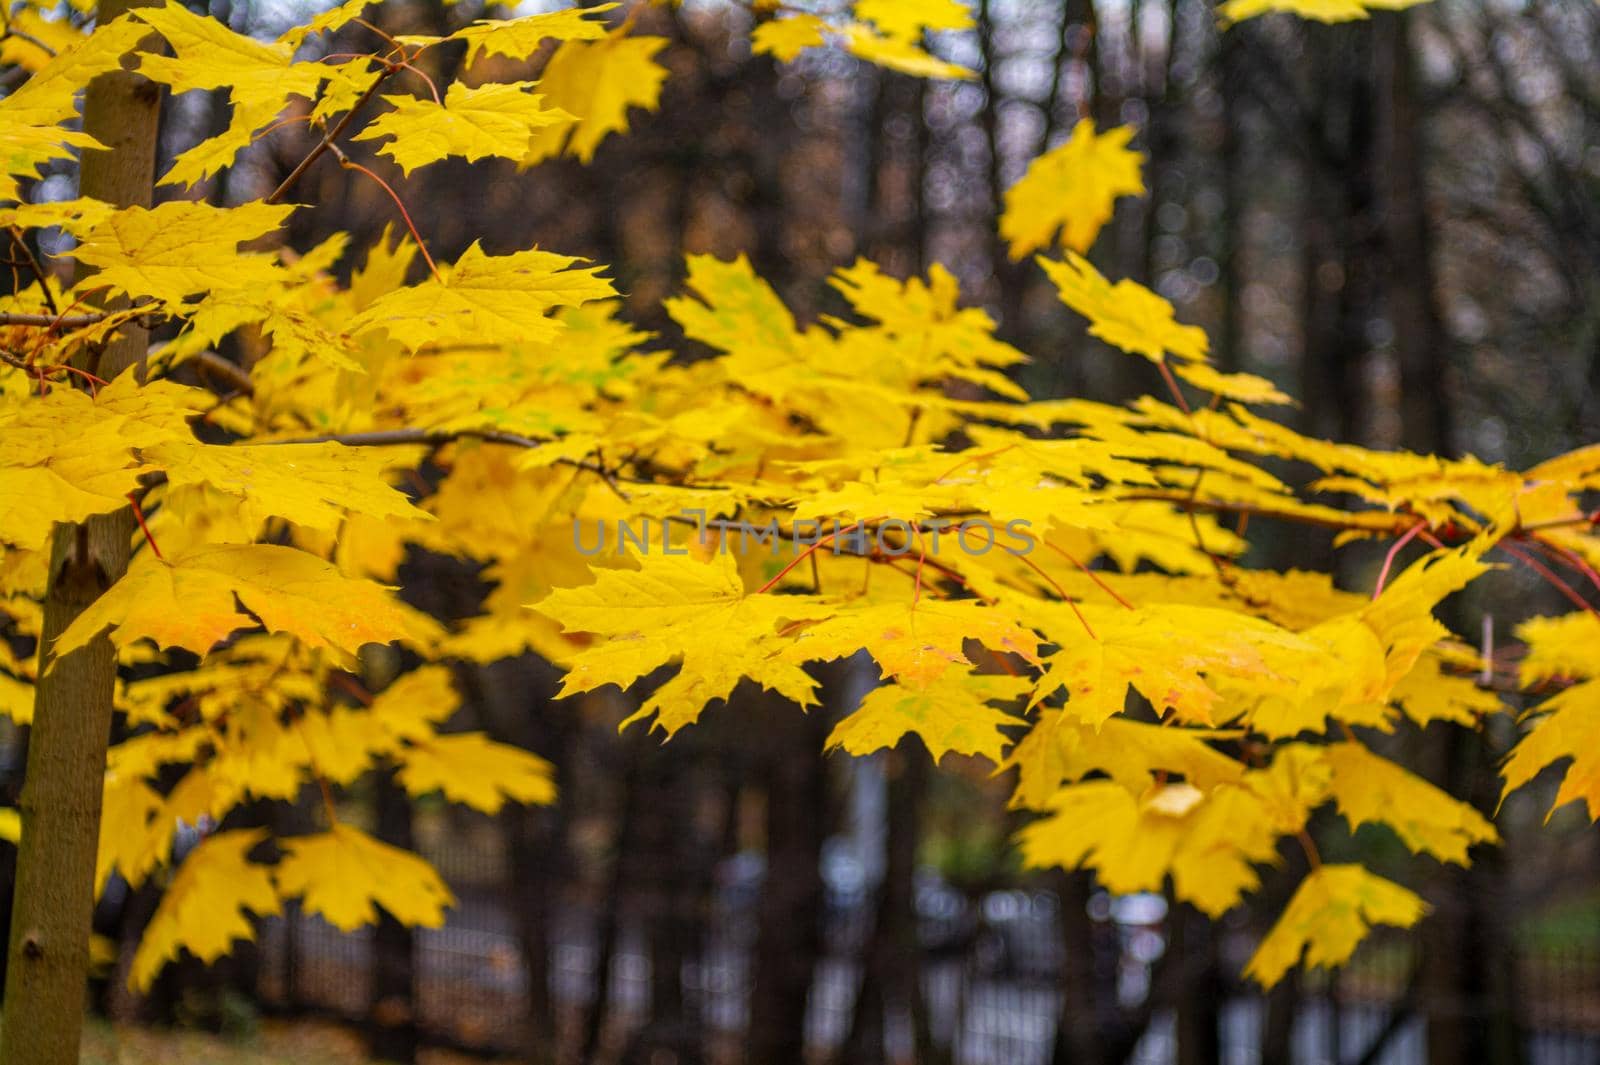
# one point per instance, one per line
(899, 53)
(914, 643)
(1328, 917)
(949, 714)
(190, 602)
(496, 119)
(179, 249)
(203, 909)
(1208, 843)
(1071, 188)
(314, 485)
(208, 55)
(519, 38)
(474, 770)
(1570, 728)
(598, 81)
(1320, 10)
(344, 875)
(676, 607)
(909, 19)
(1558, 647)
(485, 299)
(785, 38)
(1125, 315)
(69, 456)
(1373, 789)
(1059, 749)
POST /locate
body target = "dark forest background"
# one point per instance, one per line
(1396, 220)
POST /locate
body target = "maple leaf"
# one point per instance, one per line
(1328, 917)
(496, 119)
(913, 642)
(949, 714)
(180, 248)
(785, 38)
(485, 299)
(344, 875)
(207, 55)
(1320, 10)
(1369, 788)
(909, 19)
(1125, 315)
(674, 607)
(737, 312)
(1060, 749)
(598, 81)
(191, 602)
(1071, 188)
(30, 134)
(519, 38)
(1207, 843)
(69, 456)
(471, 769)
(314, 485)
(898, 53)
(1558, 647)
(1569, 728)
(203, 909)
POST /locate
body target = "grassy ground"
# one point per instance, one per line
(272, 1043)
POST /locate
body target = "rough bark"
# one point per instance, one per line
(48, 954)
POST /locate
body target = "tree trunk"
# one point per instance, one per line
(48, 956)
(1419, 335)
(392, 996)
(791, 894)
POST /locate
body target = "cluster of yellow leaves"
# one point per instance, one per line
(1048, 585)
(888, 33)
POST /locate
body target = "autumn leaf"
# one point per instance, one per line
(475, 771)
(203, 909)
(1208, 843)
(949, 714)
(1372, 789)
(598, 81)
(344, 875)
(179, 249)
(1125, 315)
(785, 38)
(193, 602)
(1327, 918)
(1568, 727)
(1071, 188)
(474, 123)
(505, 299)
(675, 607)
(314, 485)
